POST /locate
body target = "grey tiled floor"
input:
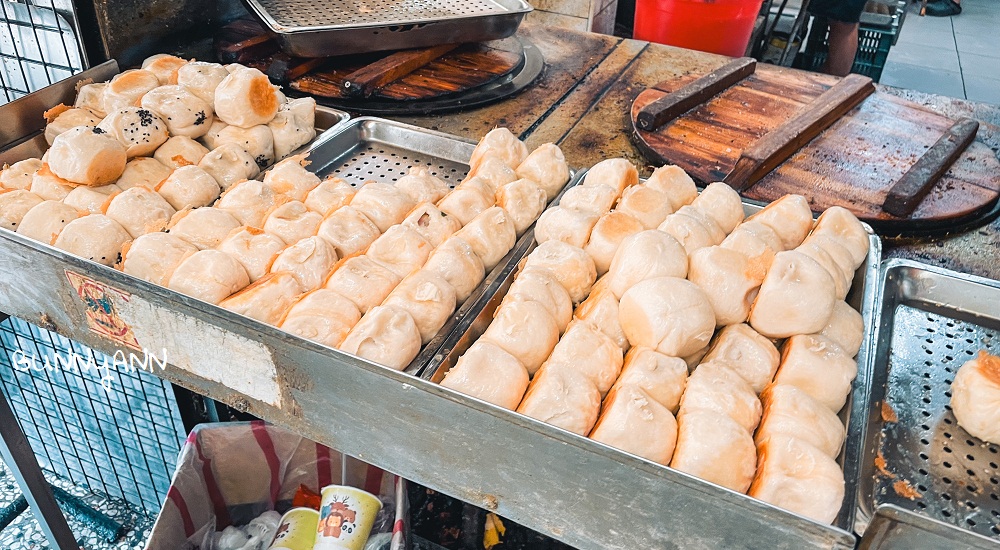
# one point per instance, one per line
(955, 56)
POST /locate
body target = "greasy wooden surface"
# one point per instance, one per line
(854, 163)
(583, 99)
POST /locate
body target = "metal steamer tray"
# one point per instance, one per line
(925, 481)
(369, 148)
(316, 28)
(693, 513)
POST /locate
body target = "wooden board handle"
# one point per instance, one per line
(688, 97)
(780, 143)
(907, 193)
(365, 81)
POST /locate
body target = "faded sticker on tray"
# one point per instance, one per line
(204, 349)
(102, 313)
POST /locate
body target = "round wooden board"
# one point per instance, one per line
(852, 164)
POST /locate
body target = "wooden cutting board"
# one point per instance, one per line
(853, 163)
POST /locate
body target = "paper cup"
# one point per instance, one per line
(296, 530)
(345, 518)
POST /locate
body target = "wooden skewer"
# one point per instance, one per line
(907, 193)
(780, 143)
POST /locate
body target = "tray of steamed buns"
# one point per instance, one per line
(189, 175)
(717, 338)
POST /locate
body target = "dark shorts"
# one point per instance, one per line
(846, 11)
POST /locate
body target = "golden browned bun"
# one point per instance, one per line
(487, 372)
(87, 156)
(385, 335)
(144, 171)
(715, 448)
(14, 205)
(61, 118)
(203, 227)
(209, 275)
(96, 237)
(180, 151)
(293, 126)
(362, 281)
(154, 256)
(976, 395)
(127, 88)
(184, 113)
(267, 298)
(637, 424)
(19, 174)
(323, 316)
(795, 476)
(246, 98)
(228, 164)
(164, 66)
(669, 314)
(46, 220)
(607, 236)
(140, 210)
(189, 187)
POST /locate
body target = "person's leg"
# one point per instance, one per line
(944, 8)
(843, 44)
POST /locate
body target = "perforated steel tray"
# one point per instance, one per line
(370, 148)
(925, 482)
(797, 531)
(322, 28)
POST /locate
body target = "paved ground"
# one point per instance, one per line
(24, 533)
(955, 56)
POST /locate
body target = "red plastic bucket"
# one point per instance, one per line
(716, 26)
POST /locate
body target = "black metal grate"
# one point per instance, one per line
(39, 46)
(123, 442)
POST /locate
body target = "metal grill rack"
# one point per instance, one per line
(334, 13)
(386, 163)
(123, 442)
(955, 477)
(39, 46)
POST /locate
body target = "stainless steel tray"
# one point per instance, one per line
(934, 485)
(318, 28)
(22, 134)
(370, 148)
(795, 529)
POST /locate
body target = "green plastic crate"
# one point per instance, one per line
(874, 43)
